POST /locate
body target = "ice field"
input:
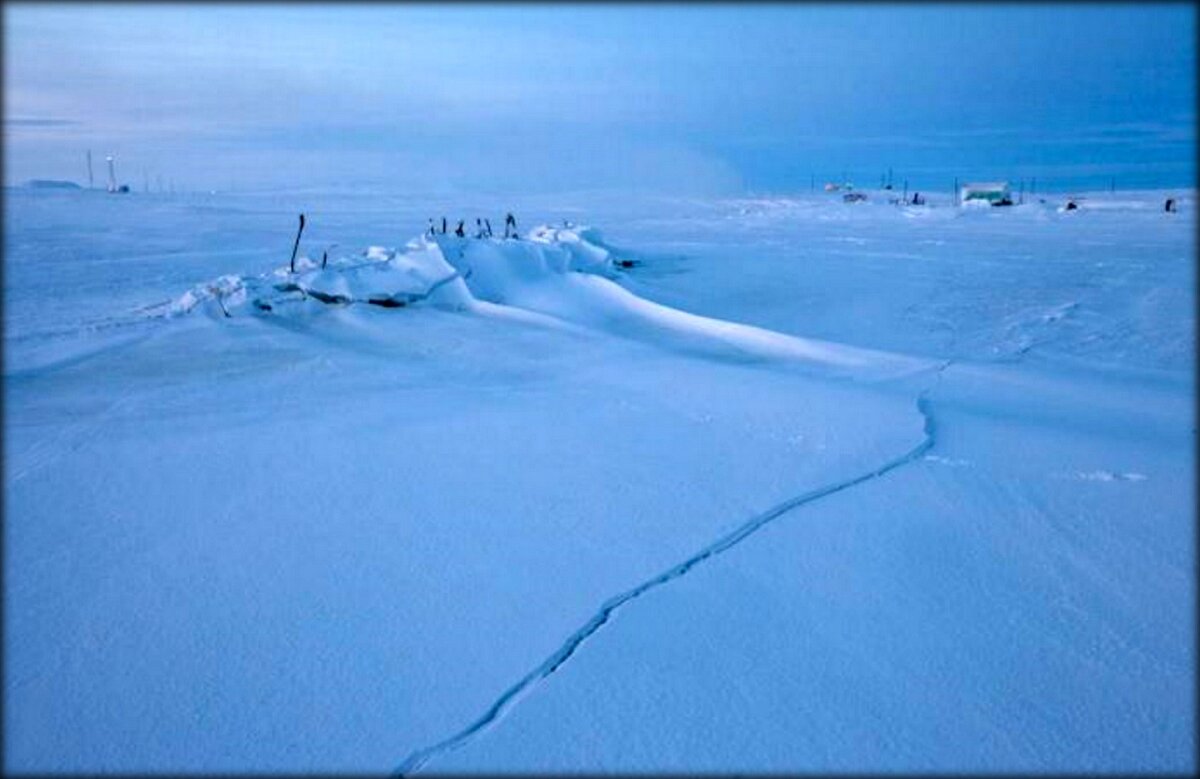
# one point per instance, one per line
(668, 484)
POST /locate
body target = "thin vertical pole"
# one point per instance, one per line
(296, 245)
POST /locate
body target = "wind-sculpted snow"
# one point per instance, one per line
(379, 275)
(558, 277)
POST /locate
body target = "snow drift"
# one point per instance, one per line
(563, 277)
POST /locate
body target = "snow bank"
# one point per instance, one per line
(384, 277)
(564, 277)
(568, 275)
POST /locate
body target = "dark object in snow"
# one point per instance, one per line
(479, 231)
(487, 225)
(443, 225)
(431, 229)
(1169, 206)
(296, 245)
(326, 298)
(510, 221)
(1070, 206)
(387, 302)
(262, 305)
(324, 258)
(459, 230)
(917, 200)
(625, 263)
(853, 197)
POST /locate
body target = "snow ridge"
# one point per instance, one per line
(509, 697)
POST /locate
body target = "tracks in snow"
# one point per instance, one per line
(509, 697)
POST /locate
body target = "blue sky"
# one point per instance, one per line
(549, 97)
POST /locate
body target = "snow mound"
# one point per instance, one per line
(503, 268)
(569, 276)
(563, 277)
(384, 277)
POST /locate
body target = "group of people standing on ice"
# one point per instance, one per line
(483, 228)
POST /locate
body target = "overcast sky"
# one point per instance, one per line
(542, 97)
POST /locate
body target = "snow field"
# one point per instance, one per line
(336, 536)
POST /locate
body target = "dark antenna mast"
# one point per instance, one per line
(296, 245)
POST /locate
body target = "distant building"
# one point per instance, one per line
(994, 193)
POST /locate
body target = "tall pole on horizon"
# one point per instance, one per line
(112, 175)
(89, 159)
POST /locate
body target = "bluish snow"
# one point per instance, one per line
(812, 486)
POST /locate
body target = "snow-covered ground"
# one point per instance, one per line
(776, 484)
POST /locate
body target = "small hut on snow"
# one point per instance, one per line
(995, 193)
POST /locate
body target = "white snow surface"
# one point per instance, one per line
(753, 485)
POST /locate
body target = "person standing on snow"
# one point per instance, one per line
(488, 225)
(510, 221)
(1169, 207)
(443, 225)
(459, 230)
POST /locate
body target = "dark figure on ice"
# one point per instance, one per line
(443, 225)
(1071, 205)
(459, 231)
(479, 231)
(431, 229)
(510, 221)
(1169, 207)
(488, 225)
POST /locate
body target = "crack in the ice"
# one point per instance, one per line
(418, 758)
